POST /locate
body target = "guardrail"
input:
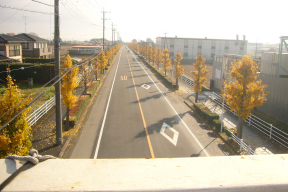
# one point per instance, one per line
(40, 112)
(268, 129)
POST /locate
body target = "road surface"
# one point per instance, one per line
(136, 116)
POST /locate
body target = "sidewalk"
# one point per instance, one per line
(250, 136)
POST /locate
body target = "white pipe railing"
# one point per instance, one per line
(253, 121)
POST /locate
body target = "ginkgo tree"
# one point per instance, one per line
(16, 137)
(96, 65)
(154, 55)
(102, 61)
(68, 86)
(179, 70)
(158, 58)
(85, 73)
(245, 93)
(166, 60)
(199, 74)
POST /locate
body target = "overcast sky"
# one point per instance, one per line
(262, 21)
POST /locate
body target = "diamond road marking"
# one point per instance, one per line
(175, 136)
(145, 86)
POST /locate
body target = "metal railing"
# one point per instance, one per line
(40, 112)
(268, 129)
(242, 145)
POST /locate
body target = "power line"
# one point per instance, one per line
(15, 13)
(43, 3)
(21, 9)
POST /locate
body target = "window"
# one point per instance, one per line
(212, 55)
(2, 48)
(199, 47)
(185, 54)
(171, 54)
(171, 46)
(185, 46)
(226, 48)
(25, 46)
(241, 48)
(14, 50)
(213, 47)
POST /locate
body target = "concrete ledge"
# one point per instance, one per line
(234, 173)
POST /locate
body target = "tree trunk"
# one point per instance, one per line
(176, 82)
(85, 86)
(240, 127)
(67, 119)
(96, 77)
(165, 73)
(196, 98)
(240, 119)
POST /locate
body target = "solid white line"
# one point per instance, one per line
(107, 106)
(173, 109)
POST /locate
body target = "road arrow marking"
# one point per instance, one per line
(175, 136)
(145, 86)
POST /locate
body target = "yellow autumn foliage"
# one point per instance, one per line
(102, 60)
(166, 60)
(16, 137)
(69, 83)
(158, 57)
(199, 73)
(244, 72)
(179, 70)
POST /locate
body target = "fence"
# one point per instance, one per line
(240, 142)
(41, 111)
(253, 121)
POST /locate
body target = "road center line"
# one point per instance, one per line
(105, 114)
(198, 142)
(143, 119)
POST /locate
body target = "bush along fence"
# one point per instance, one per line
(212, 119)
(268, 129)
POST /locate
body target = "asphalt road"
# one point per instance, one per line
(136, 116)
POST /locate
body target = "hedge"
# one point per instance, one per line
(37, 60)
(40, 73)
(206, 114)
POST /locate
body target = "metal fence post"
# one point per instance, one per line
(241, 144)
(271, 127)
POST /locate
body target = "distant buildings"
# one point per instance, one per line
(34, 46)
(191, 47)
(10, 48)
(85, 50)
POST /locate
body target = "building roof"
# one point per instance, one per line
(29, 37)
(10, 39)
(4, 58)
(201, 39)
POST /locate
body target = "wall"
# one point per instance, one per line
(277, 98)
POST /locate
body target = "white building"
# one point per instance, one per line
(269, 64)
(191, 47)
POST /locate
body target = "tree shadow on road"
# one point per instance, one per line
(156, 127)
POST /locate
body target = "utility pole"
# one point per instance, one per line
(57, 73)
(25, 22)
(112, 36)
(165, 40)
(104, 26)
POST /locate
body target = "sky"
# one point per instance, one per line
(260, 21)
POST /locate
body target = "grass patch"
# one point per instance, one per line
(282, 126)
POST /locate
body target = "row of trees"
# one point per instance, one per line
(71, 78)
(243, 95)
(16, 137)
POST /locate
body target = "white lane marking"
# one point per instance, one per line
(145, 86)
(198, 142)
(107, 106)
(175, 136)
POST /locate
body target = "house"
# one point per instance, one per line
(10, 47)
(191, 47)
(35, 46)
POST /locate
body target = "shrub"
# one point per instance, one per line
(217, 125)
(205, 113)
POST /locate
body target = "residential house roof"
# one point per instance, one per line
(10, 39)
(29, 37)
(4, 58)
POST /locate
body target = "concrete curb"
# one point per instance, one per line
(79, 124)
